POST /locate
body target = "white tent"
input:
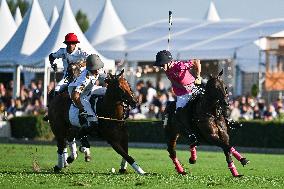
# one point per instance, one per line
(53, 17)
(7, 23)
(18, 16)
(212, 14)
(106, 25)
(28, 37)
(66, 23)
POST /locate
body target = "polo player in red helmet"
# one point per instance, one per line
(70, 54)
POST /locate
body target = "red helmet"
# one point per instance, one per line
(71, 38)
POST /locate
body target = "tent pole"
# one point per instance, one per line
(45, 83)
(17, 81)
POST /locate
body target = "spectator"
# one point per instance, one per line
(235, 111)
(151, 92)
(2, 111)
(11, 110)
(270, 113)
(256, 113)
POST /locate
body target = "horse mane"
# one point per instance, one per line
(74, 69)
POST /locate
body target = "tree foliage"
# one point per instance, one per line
(22, 4)
(82, 20)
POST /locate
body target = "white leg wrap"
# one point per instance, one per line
(87, 152)
(73, 149)
(138, 169)
(123, 164)
(65, 156)
(60, 163)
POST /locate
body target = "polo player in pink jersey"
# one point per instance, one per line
(184, 75)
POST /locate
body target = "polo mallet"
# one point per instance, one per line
(55, 81)
(170, 25)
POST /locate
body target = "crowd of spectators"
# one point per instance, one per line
(30, 101)
(152, 102)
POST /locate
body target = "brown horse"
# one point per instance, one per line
(112, 110)
(206, 116)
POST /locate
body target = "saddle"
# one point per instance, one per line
(79, 118)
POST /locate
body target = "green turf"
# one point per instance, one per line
(17, 170)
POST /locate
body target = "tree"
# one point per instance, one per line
(22, 4)
(82, 20)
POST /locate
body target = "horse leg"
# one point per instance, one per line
(239, 157)
(85, 148)
(73, 150)
(230, 162)
(118, 148)
(214, 139)
(193, 154)
(61, 155)
(172, 154)
(123, 164)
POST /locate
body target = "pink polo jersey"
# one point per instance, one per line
(181, 78)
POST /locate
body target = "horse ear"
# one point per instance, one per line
(221, 73)
(122, 71)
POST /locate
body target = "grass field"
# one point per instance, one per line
(17, 170)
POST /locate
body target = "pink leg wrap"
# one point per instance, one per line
(236, 154)
(178, 166)
(233, 169)
(193, 153)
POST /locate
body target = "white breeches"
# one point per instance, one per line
(85, 100)
(61, 85)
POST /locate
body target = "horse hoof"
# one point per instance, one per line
(88, 158)
(191, 161)
(70, 160)
(82, 149)
(238, 176)
(122, 171)
(56, 169)
(244, 161)
(183, 173)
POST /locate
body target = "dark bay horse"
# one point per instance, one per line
(208, 122)
(112, 110)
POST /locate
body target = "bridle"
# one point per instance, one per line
(124, 99)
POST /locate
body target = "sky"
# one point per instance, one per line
(135, 13)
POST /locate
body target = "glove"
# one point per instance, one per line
(54, 67)
(198, 80)
(51, 58)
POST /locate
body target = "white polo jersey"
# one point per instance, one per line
(67, 58)
(84, 83)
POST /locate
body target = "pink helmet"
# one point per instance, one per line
(71, 38)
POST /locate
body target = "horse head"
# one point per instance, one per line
(120, 86)
(74, 69)
(216, 89)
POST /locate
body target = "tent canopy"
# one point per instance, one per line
(66, 23)
(28, 37)
(191, 39)
(101, 29)
(7, 23)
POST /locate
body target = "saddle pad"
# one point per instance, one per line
(74, 116)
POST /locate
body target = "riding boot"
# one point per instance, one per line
(184, 119)
(87, 129)
(51, 95)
